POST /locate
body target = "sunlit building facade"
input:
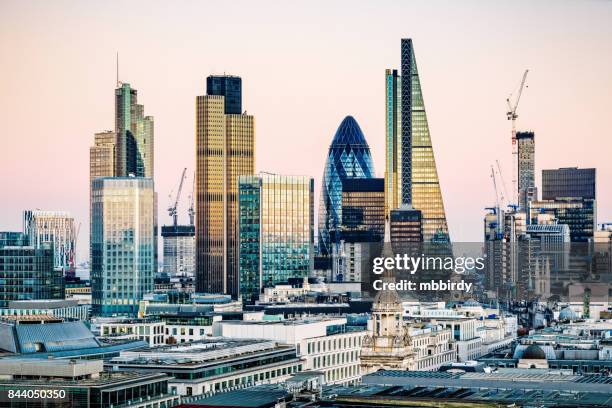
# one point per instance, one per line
(102, 155)
(276, 231)
(122, 244)
(135, 137)
(348, 157)
(56, 228)
(225, 150)
(411, 175)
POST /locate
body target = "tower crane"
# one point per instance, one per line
(172, 209)
(512, 115)
(504, 193)
(191, 211)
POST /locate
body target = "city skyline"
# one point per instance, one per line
(58, 141)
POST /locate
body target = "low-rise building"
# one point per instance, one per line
(325, 344)
(81, 384)
(68, 308)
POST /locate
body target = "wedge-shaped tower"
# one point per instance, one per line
(411, 177)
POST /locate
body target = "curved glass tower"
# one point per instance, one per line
(348, 157)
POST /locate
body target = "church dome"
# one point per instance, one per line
(534, 352)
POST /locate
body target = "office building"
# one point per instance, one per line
(213, 365)
(568, 182)
(410, 173)
(122, 244)
(179, 250)
(526, 168)
(228, 86)
(225, 149)
(363, 207)
(276, 231)
(348, 157)
(82, 384)
(29, 273)
(135, 135)
(56, 228)
(579, 214)
(324, 344)
(405, 225)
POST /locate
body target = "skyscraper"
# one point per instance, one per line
(135, 137)
(348, 157)
(410, 175)
(276, 231)
(527, 191)
(179, 249)
(225, 150)
(122, 244)
(56, 228)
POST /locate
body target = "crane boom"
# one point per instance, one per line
(172, 209)
(512, 116)
(191, 211)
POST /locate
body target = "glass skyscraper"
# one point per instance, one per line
(135, 137)
(225, 149)
(527, 191)
(276, 231)
(348, 157)
(122, 244)
(411, 177)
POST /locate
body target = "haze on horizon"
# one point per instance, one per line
(305, 66)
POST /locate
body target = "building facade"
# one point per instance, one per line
(179, 249)
(228, 86)
(526, 168)
(348, 157)
(122, 244)
(135, 135)
(411, 175)
(102, 155)
(568, 182)
(225, 150)
(56, 228)
(29, 273)
(276, 231)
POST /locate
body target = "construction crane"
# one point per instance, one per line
(191, 211)
(172, 209)
(504, 194)
(512, 115)
(495, 188)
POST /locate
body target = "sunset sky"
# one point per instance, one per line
(304, 65)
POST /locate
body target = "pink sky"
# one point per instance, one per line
(305, 65)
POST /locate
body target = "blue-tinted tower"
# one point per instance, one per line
(349, 157)
(229, 87)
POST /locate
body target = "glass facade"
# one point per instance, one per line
(56, 228)
(349, 157)
(276, 231)
(411, 174)
(28, 273)
(526, 168)
(229, 87)
(122, 244)
(225, 150)
(577, 213)
(363, 207)
(134, 149)
(568, 182)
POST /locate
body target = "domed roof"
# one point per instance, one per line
(349, 133)
(568, 314)
(534, 352)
